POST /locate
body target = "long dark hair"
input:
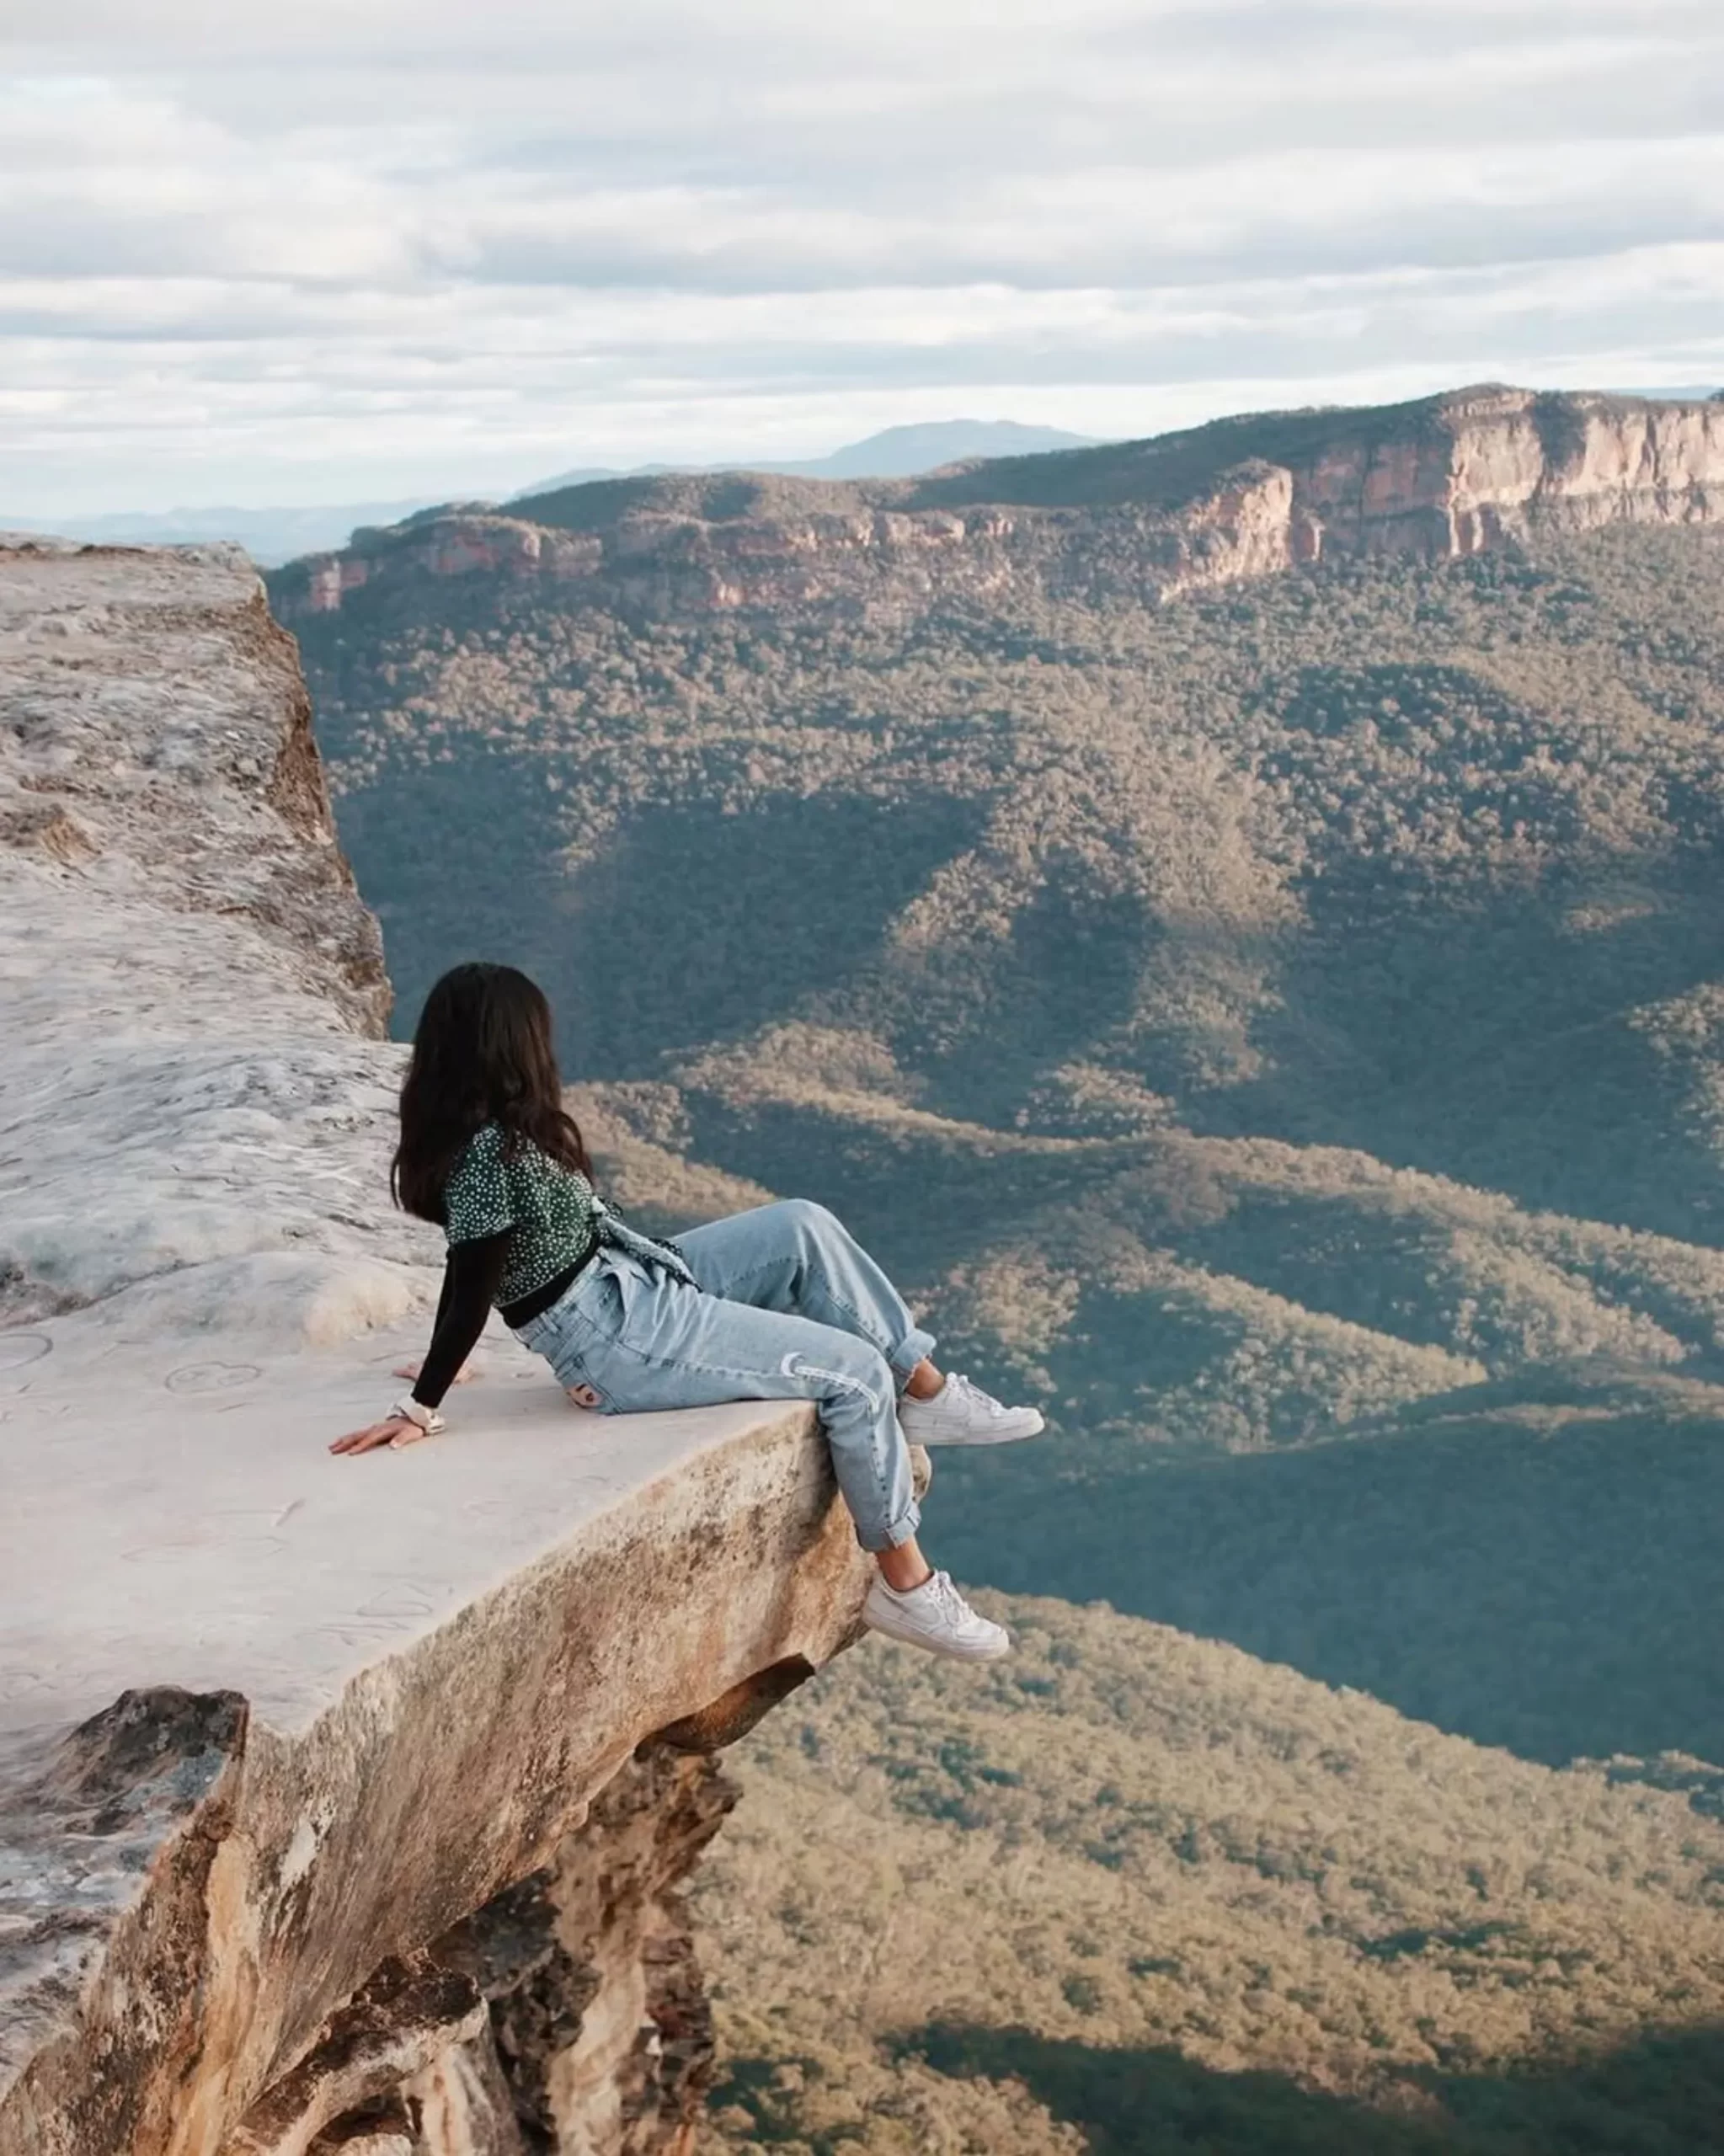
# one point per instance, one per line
(483, 1053)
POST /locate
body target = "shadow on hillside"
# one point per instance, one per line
(1660, 2096)
(486, 901)
(743, 915)
(1067, 974)
(1548, 1581)
(1494, 1044)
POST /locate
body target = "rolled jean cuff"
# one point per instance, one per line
(895, 1535)
(917, 1348)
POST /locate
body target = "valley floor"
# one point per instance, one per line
(1132, 1892)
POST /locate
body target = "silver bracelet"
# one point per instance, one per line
(415, 1411)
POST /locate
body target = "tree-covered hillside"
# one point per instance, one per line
(1276, 1020)
(1138, 1894)
(1412, 860)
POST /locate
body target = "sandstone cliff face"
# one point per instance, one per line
(1492, 463)
(1443, 478)
(342, 1803)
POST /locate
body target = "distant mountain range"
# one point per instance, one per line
(1442, 477)
(274, 535)
(894, 453)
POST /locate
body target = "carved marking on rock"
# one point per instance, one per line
(210, 1377)
(361, 1633)
(173, 1553)
(404, 1600)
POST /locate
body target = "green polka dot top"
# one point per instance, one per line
(554, 1210)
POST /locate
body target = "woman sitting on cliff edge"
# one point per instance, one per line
(779, 1303)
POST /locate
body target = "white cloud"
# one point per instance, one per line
(378, 247)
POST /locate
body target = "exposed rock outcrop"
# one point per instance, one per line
(1442, 477)
(155, 723)
(342, 1802)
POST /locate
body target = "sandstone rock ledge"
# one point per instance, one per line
(342, 1802)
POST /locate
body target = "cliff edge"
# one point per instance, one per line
(342, 1802)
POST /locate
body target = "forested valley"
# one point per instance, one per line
(1281, 1032)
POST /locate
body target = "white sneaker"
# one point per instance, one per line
(961, 1413)
(935, 1616)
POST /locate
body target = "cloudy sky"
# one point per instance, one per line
(377, 248)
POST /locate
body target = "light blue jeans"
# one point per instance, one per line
(780, 1303)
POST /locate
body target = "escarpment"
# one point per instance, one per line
(342, 1802)
(1441, 478)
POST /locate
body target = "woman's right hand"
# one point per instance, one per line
(393, 1430)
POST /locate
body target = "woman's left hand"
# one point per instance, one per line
(393, 1430)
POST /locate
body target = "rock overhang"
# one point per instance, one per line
(175, 1517)
(271, 1721)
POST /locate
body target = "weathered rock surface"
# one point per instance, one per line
(1442, 477)
(325, 1822)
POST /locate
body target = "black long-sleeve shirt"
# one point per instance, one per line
(471, 1278)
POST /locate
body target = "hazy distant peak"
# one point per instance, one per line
(904, 452)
